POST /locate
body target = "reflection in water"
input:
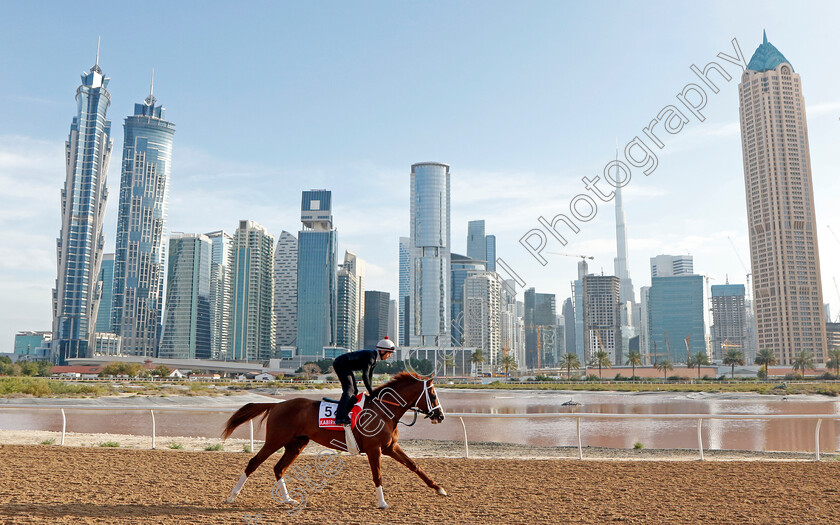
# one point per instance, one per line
(717, 434)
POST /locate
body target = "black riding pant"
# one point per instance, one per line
(348, 391)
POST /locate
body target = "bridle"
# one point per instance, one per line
(427, 385)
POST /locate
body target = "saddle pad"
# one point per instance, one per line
(326, 413)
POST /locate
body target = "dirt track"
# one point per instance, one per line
(43, 484)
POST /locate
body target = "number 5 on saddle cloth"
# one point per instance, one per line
(328, 407)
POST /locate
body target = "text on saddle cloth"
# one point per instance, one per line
(326, 413)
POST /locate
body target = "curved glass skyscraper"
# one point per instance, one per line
(141, 228)
(430, 247)
(79, 248)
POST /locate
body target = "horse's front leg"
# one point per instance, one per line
(399, 454)
(374, 457)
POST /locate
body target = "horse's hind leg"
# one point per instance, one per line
(396, 452)
(293, 450)
(269, 448)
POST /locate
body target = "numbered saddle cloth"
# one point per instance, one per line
(326, 413)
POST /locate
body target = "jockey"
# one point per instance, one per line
(363, 361)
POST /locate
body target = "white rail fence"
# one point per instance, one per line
(461, 415)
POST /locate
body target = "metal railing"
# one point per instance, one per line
(476, 415)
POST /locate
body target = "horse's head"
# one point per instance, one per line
(431, 404)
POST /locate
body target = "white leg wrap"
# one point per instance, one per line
(350, 441)
(237, 488)
(380, 498)
(281, 494)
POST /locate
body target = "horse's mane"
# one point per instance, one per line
(402, 377)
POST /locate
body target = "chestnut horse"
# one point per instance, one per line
(293, 423)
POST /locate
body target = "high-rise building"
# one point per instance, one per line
(33, 345)
(577, 298)
(645, 348)
(622, 265)
(356, 267)
(404, 294)
(376, 317)
(780, 208)
(347, 307)
(509, 323)
(460, 268)
(221, 294)
(729, 315)
(141, 228)
(317, 277)
(540, 318)
(187, 331)
(393, 320)
(253, 293)
(675, 314)
(490, 243)
(668, 265)
(569, 331)
(476, 241)
(430, 246)
(106, 277)
(80, 245)
(285, 289)
(602, 317)
(482, 317)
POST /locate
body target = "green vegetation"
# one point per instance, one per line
(733, 357)
(50, 441)
(174, 445)
(24, 368)
(37, 387)
(246, 449)
(569, 361)
(110, 444)
(213, 448)
(638, 445)
(602, 360)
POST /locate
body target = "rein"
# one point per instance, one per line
(414, 408)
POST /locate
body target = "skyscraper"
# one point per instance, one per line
(404, 295)
(106, 277)
(285, 289)
(675, 312)
(460, 268)
(780, 208)
(317, 280)
(569, 330)
(347, 317)
(668, 265)
(79, 247)
(540, 317)
(482, 316)
(622, 268)
(602, 316)
(490, 252)
(376, 317)
(356, 267)
(253, 293)
(141, 228)
(187, 330)
(476, 241)
(221, 294)
(729, 314)
(430, 247)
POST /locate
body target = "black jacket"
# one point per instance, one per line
(363, 361)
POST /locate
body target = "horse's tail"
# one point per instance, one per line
(246, 413)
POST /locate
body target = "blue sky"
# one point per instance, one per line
(522, 99)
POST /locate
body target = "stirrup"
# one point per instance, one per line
(350, 441)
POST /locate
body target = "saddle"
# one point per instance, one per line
(327, 410)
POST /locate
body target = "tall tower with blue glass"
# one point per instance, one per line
(141, 228)
(430, 248)
(317, 283)
(80, 246)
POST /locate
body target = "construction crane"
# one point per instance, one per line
(573, 255)
(744, 266)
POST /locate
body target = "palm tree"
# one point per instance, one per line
(803, 361)
(700, 359)
(569, 361)
(508, 362)
(664, 366)
(449, 360)
(600, 359)
(765, 357)
(477, 358)
(733, 357)
(634, 358)
(834, 360)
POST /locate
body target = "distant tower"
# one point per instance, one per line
(430, 247)
(221, 293)
(106, 277)
(404, 295)
(253, 293)
(476, 242)
(317, 280)
(81, 242)
(141, 228)
(626, 292)
(780, 208)
(285, 289)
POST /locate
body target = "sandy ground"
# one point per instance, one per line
(50, 484)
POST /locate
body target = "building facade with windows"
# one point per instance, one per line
(253, 293)
(221, 294)
(675, 312)
(285, 289)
